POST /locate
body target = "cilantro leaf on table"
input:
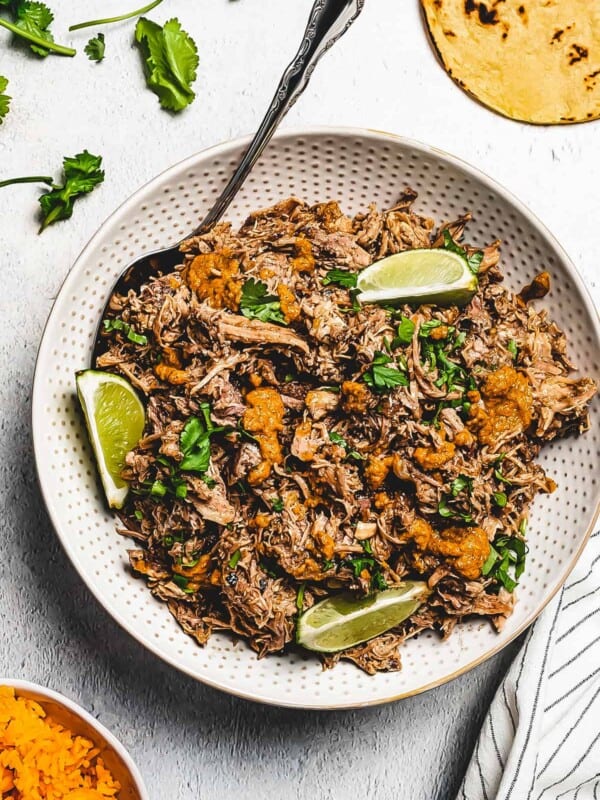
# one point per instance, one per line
(35, 18)
(4, 98)
(82, 174)
(473, 261)
(255, 303)
(170, 60)
(96, 48)
(31, 21)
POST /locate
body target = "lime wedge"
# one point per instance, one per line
(115, 420)
(418, 276)
(344, 620)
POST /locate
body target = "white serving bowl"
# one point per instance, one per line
(356, 167)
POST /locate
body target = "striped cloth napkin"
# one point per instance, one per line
(541, 737)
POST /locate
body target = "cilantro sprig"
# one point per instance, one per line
(82, 173)
(256, 303)
(506, 561)
(31, 21)
(382, 377)
(4, 98)
(170, 60)
(473, 261)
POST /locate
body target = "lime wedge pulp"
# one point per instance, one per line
(345, 620)
(426, 275)
(115, 419)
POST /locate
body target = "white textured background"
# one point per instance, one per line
(190, 741)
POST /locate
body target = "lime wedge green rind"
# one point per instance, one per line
(433, 276)
(115, 420)
(344, 620)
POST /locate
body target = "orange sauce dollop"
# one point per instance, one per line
(264, 419)
(507, 406)
(465, 548)
(213, 277)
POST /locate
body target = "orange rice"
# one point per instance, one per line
(41, 760)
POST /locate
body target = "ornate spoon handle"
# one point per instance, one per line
(329, 20)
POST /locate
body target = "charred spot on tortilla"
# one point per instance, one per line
(577, 53)
(533, 62)
(487, 16)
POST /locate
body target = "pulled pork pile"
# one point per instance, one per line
(298, 444)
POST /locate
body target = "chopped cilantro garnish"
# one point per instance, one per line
(500, 477)
(277, 504)
(300, 597)
(158, 489)
(126, 329)
(429, 326)
(444, 510)
(182, 582)
(381, 377)
(233, 561)
(473, 261)
(513, 349)
(506, 561)
(378, 582)
(335, 438)
(194, 442)
(341, 277)
(500, 499)
(257, 304)
(461, 483)
(406, 329)
(138, 515)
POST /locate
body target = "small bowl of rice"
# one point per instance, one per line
(51, 748)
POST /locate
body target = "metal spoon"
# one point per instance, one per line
(328, 21)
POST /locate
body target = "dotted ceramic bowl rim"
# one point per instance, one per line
(304, 692)
(49, 694)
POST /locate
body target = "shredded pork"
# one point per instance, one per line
(319, 479)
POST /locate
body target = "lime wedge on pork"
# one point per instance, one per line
(115, 419)
(439, 277)
(345, 620)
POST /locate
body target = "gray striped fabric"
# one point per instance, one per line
(541, 737)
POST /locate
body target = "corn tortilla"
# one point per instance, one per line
(533, 60)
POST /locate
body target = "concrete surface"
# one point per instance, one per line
(190, 741)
